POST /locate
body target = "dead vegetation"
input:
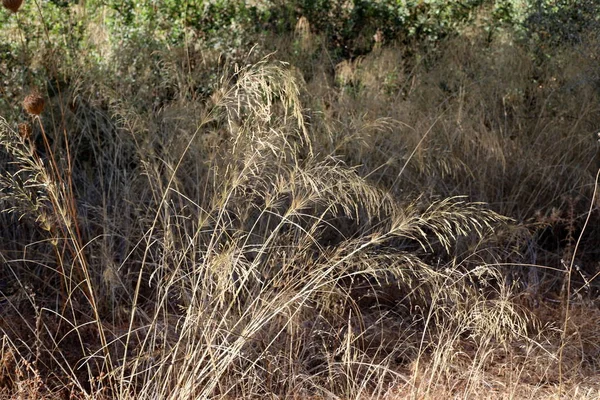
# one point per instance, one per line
(262, 225)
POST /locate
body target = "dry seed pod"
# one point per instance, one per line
(34, 104)
(12, 5)
(25, 130)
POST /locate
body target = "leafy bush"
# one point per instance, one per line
(562, 22)
(349, 26)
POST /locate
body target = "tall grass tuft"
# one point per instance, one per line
(190, 223)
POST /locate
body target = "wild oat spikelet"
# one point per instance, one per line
(12, 5)
(25, 130)
(34, 104)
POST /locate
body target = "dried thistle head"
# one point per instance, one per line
(302, 27)
(34, 103)
(12, 5)
(25, 130)
(302, 32)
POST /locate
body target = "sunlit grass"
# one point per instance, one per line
(187, 224)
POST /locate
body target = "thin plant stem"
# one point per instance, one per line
(569, 273)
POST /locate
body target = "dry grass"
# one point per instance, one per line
(377, 228)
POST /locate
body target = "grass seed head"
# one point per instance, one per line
(12, 5)
(34, 104)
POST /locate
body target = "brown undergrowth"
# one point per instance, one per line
(288, 226)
